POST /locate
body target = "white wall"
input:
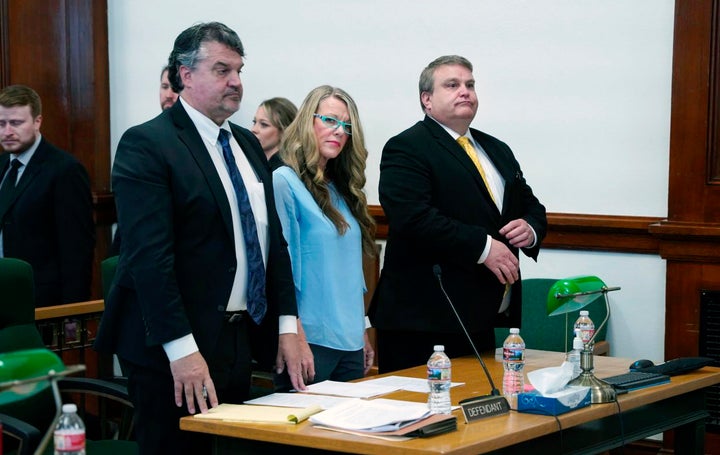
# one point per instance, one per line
(579, 89)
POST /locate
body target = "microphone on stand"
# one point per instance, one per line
(486, 405)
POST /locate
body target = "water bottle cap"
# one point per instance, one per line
(69, 408)
(514, 330)
(584, 312)
(439, 347)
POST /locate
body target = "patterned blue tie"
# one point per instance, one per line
(256, 303)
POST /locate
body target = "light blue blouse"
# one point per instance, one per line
(327, 267)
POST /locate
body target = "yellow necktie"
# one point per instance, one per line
(467, 146)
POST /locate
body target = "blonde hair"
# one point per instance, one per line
(299, 150)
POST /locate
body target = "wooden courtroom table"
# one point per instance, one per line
(679, 405)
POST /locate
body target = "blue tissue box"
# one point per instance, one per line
(567, 399)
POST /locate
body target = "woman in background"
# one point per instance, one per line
(324, 215)
(271, 119)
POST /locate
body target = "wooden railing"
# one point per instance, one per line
(70, 330)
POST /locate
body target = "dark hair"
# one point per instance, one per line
(188, 49)
(427, 77)
(165, 68)
(21, 95)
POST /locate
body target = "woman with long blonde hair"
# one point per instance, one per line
(323, 210)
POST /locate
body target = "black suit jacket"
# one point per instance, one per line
(440, 212)
(177, 258)
(49, 224)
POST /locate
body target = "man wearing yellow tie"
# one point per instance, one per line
(454, 197)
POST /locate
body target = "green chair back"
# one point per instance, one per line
(19, 337)
(17, 291)
(541, 331)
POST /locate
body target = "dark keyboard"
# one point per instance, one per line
(636, 380)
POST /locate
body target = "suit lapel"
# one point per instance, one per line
(32, 169)
(188, 135)
(247, 149)
(455, 150)
(500, 161)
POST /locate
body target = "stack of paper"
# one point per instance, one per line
(363, 389)
(298, 400)
(384, 417)
(372, 415)
(344, 409)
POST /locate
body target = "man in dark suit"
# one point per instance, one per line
(167, 99)
(46, 209)
(203, 280)
(462, 206)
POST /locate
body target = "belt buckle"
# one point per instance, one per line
(235, 318)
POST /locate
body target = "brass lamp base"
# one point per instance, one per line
(601, 391)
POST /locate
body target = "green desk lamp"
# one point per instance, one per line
(572, 294)
(29, 371)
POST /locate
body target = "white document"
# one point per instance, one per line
(363, 389)
(298, 400)
(405, 383)
(372, 415)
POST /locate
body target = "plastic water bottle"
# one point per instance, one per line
(584, 327)
(513, 363)
(574, 356)
(69, 434)
(438, 373)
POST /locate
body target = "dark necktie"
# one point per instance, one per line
(256, 303)
(8, 188)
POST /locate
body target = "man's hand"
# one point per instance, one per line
(519, 233)
(289, 355)
(502, 263)
(192, 379)
(369, 354)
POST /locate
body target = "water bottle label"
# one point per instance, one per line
(69, 441)
(438, 374)
(513, 355)
(586, 334)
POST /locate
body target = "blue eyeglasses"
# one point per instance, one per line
(333, 123)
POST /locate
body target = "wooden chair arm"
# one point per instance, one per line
(601, 348)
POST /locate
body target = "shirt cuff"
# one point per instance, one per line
(486, 251)
(288, 324)
(534, 236)
(367, 323)
(181, 347)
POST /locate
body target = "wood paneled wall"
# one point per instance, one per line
(60, 49)
(689, 239)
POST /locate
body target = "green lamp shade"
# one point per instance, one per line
(21, 367)
(571, 294)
